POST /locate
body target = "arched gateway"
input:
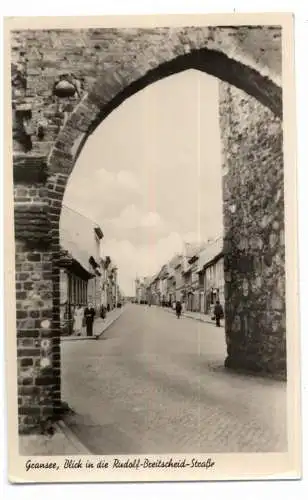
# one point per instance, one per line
(64, 83)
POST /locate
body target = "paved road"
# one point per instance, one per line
(155, 384)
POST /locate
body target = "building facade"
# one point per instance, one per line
(94, 295)
(80, 270)
(171, 279)
(214, 283)
(193, 292)
(179, 282)
(109, 286)
(141, 290)
(74, 279)
(195, 278)
(211, 276)
(104, 262)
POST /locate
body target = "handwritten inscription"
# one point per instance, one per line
(117, 463)
(30, 465)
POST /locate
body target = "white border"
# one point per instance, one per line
(84, 8)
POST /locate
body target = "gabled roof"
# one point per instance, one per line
(210, 253)
(163, 273)
(175, 261)
(193, 249)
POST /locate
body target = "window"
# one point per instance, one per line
(77, 290)
(74, 289)
(80, 290)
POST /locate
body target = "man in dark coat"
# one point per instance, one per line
(218, 312)
(89, 314)
(178, 308)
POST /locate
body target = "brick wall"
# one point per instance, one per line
(34, 341)
(37, 291)
(105, 67)
(245, 57)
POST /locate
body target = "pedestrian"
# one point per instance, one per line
(178, 309)
(103, 312)
(78, 317)
(218, 312)
(89, 314)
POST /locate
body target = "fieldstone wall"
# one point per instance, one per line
(64, 83)
(253, 192)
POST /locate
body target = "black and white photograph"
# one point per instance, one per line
(154, 328)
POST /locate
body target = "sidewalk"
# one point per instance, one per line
(63, 442)
(100, 325)
(205, 318)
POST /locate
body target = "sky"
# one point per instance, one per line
(150, 174)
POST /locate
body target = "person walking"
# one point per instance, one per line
(89, 314)
(78, 317)
(178, 309)
(218, 312)
(103, 312)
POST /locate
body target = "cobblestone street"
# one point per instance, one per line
(156, 384)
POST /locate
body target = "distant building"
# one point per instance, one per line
(187, 280)
(110, 286)
(179, 281)
(105, 262)
(141, 290)
(138, 290)
(94, 294)
(192, 284)
(211, 275)
(171, 279)
(195, 277)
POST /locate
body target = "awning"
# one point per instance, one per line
(67, 261)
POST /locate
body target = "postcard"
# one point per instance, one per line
(151, 248)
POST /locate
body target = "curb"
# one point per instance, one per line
(76, 338)
(98, 335)
(70, 436)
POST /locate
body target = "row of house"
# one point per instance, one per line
(195, 277)
(86, 276)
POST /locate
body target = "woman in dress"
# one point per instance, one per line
(78, 317)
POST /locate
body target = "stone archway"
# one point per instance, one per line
(250, 118)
